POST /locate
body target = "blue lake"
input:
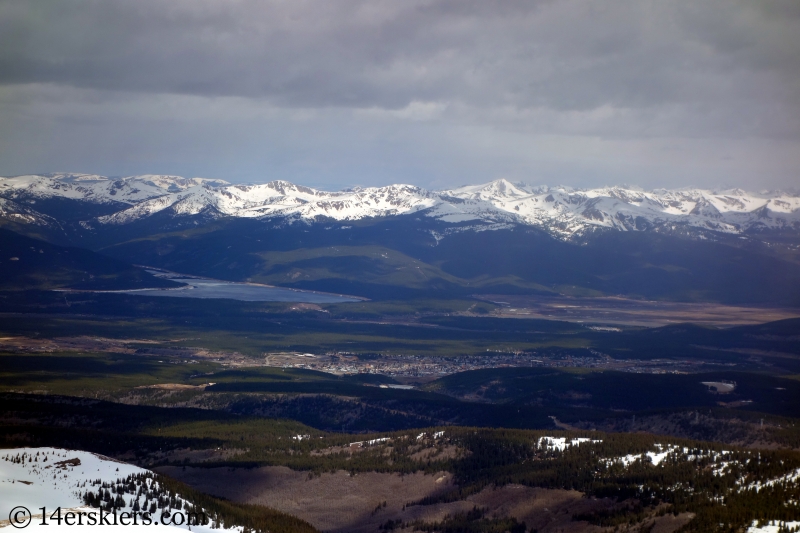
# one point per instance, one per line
(246, 292)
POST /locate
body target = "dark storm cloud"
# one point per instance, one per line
(562, 90)
(560, 54)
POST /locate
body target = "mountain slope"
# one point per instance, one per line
(400, 257)
(28, 263)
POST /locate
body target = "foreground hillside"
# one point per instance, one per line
(430, 479)
(49, 488)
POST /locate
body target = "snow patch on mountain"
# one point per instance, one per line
(21, 214)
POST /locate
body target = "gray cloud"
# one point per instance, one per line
(455, 74)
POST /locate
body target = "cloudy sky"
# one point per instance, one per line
(334, 93)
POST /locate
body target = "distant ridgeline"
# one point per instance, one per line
(562, 211)
(401, 241)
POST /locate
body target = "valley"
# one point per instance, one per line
(400, 266)
(603, 311)
(482, 359)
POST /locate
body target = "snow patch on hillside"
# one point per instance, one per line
(562, 443)
(773, 526)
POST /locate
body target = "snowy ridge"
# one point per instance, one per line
(281, 199)
(568, 212)
(562, 211)
(97, 189)
(56, 477)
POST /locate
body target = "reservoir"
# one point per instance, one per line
(247, 292)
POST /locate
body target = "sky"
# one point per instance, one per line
(436, 93)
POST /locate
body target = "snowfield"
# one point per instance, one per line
(53, 477)
(773, 526)
(562, 211)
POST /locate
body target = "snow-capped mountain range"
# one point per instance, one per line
(562, 211)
